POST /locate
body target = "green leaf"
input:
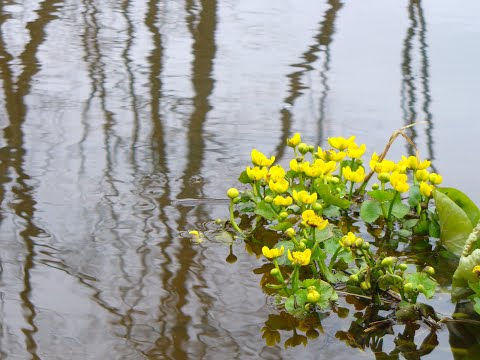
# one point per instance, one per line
(414, 196)
(324, 191)
(455, 225)
(331, 246)
(331, 211)
(405, 233)
(370, 211)
(464, 202)
(243, 178)
(476, 306)
(287, 245)
(324, 234)
(381, 195)
(399, 209)
(408, 224)
(265, 210)
(421, 278)
(327, 294)
(434, 229)
(283, 225)
(295, 304)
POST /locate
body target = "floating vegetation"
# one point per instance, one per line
(307, 221)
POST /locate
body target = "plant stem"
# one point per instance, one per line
(391, 206)
(232, 219)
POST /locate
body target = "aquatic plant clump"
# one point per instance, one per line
(318, 253)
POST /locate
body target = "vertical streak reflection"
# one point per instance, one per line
(409, 99)
(323, 39)
(16, 109)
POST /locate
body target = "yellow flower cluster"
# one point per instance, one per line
(304, 197)
(356, 176)
(350, 241)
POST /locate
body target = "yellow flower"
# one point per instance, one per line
(275, 173)
(304, 197)
(402, 166)
(348, 240)
(313, 296)
(422, 175)
(356, 152)
(256, 173)
(313, 220)
(399, 182)
(425, 189)
(299, 257)
(294, 140)
(414, 163)
(272, 253)
(331, 155)
(382, 166)
(261, 160)
(341, 143)
(281, 201)
(298, 166)
(354, 176)
(280, 186)
(476, 270)
(435, 178)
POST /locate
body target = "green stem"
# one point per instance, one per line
(351, 190)
(275, 262)
(295, 279)
(391, 206)
(334, 257)
(232, 219)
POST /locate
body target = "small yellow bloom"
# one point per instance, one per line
(261, 160)
(298, 166)
(301, 258)
(356, 152)
(313, 296)
(422, 175)
(280, 186)
(281, 201)
(256, 173)
(399, 182)
(414, 163)
(382, 166)
(476, 270)
(348, 240)
(354, 176)
(313, 220)
(331, 155)
(272, 253)
(425, 189)
(435, 178)
(304, 197)
(275, 173)
(341, 143)
(294, 140)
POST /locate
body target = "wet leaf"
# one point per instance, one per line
(370, 211)
(283, 225)
(381, 195)
(272, 337)
(287, 245)
(243, 178)
(464, 202)
(324, 192)
(455, 225)
(331, 211)
(414, 196)
(295, 304)
(265, 210)
(399, 209)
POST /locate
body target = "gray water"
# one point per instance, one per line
(124, 122)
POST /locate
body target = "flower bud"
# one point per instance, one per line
(388, 261)
(358, 242)
(420, 288)
(232, 193)
(365, 285)
(313, 296)
(283, 215)
(268, 199)
(354, 278)
(384, 177)
(402, 267)
(236, 200)
(303, 148)
(218, 221)
(429, 270)
(274, 272)
(317, 206)
(302, 245)
(333, 180)
(311, 148)
(375, 186)
(290, 232)
(365, 245)
(408, 287)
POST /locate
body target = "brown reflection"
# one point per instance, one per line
(12, 155)
(416, 38)
(322, 44)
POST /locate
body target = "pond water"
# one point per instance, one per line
(124, 122)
